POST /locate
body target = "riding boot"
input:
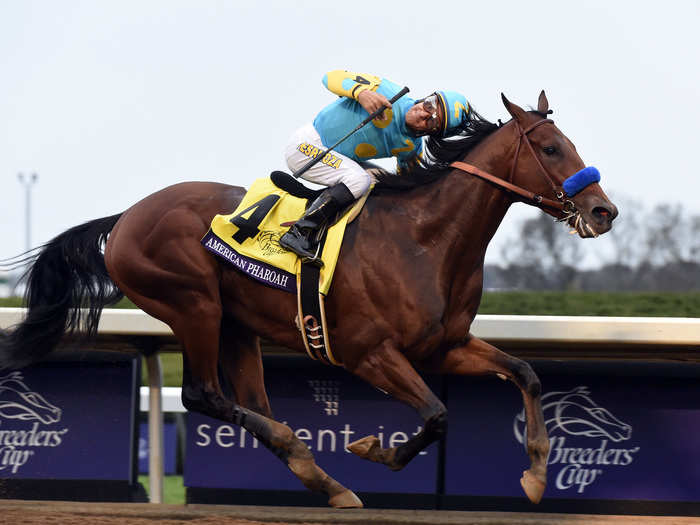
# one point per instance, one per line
(304, 235)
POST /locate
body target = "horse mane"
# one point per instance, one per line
(438, 154)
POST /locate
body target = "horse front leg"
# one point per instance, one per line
(477, 357)
(388, 370)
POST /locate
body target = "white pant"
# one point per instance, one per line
(305, 144)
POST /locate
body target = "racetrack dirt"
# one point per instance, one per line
(72, 513)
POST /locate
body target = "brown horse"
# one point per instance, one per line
(405, 292)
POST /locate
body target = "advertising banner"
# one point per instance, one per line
(169, 448)
(617, 431)
(69, 420)
(327, 408)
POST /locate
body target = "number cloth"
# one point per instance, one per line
(252, 232)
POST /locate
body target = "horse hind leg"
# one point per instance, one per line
(201, 392)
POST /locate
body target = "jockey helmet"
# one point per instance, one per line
(455, 108)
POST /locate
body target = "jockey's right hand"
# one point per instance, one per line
(373, 101)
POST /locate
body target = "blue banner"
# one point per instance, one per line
(615, 433)
(169, 448)
(327, 408)
(66, 420)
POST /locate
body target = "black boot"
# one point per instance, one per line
(304, 235)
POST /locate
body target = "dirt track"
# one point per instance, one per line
(70, 513)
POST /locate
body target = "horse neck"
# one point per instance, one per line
(468, 209)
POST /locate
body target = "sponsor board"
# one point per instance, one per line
(68, 421)
(169, 448)
(327, 409)
(616, 435)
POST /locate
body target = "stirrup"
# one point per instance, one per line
(316, 259)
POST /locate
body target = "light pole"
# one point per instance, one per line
(28, 182)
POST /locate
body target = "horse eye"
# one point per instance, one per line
(549, 150)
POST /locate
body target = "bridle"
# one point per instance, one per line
(562, 205)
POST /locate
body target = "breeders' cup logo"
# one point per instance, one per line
(269, 242)
(573, 415)
(18, 402)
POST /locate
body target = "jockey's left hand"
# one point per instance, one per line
(373, 101)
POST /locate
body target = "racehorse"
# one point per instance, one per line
(405, 292)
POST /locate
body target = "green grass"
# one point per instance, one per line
(608, 304)
(10, 302)
(173, 489)
(625, 304)
(171, 364)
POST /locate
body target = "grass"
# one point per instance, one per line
(173, 489)
(624, 304)
(171, 364)
(607, 304)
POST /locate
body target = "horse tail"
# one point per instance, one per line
(67, 287)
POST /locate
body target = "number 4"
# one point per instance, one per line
(248, 227)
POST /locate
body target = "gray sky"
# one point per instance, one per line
(109, 101)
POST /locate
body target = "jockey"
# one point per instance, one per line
(397, 132)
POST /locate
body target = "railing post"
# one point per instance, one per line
(155, 428)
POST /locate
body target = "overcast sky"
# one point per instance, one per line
(109, 101)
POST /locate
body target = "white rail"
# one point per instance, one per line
(531, 328)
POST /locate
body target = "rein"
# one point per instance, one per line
(562, 205)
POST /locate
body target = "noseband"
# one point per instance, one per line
(562, 205)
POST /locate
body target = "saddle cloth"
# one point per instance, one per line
(249, 237)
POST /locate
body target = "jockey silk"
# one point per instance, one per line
(376, 140)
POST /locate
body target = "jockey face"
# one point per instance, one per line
(425, 116)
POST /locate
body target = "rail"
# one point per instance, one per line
(552, 337)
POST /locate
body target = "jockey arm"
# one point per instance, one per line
(359, 87)
(349, 84)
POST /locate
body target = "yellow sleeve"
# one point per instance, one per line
(349, 84)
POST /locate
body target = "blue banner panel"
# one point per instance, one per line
(169, 448)
(68, 420)
(327, 408)
(619, 431)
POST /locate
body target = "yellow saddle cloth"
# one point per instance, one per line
(249, 237)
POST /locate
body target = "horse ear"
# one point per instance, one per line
(515, 111)
(543, 104)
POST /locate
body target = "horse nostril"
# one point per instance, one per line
(602, 214)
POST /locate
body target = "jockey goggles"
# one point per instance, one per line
(430, 105)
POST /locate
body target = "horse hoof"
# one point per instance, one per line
(533, 487)
(364, 447)
(345, 500)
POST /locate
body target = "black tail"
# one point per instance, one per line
(67, 287)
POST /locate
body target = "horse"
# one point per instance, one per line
(405, 292)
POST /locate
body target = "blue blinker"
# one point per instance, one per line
(580, 180)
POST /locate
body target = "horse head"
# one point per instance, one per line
(18, 402)
(544, 158)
